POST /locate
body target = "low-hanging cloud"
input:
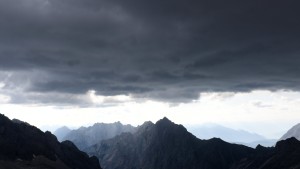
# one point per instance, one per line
(169, 50)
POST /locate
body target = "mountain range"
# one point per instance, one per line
(165, 145)
(87, 136)
(23, 146)
(208, 131)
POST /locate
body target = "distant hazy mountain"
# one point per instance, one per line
(165, 145)
(285, 155)
(88, 136)
(60, 133)
(293, 132)
(23, 146)
(226, 134)
(101, 131)
(209, 131)
(265, 143)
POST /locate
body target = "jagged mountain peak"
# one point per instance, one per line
(165, 123)
(164, 120)
(88, 136)
(147, 123)
(165, 145)
(114, 123)
(145, 126)
(168, 126)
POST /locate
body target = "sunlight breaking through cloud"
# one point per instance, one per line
(98, 99)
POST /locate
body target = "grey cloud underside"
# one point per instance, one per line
(167, 50)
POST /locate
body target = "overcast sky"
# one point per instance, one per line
(102, 54)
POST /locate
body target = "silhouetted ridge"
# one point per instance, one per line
(19, 121)
(285, 155)
(288, 144)
(19, 140)
(166, 145)
(164, 121)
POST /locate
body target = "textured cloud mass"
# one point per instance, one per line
(56, 51)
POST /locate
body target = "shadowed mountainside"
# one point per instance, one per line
(25, 146)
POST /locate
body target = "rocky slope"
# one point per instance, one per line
(165, 145)
(25, 146)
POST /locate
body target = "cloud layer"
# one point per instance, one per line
(55, 51)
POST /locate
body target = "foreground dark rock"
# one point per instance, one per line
(25, 146)
(285, 155)
(165, 145)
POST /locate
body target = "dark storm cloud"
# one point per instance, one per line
(168, 50)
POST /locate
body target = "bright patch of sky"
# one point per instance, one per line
(267, 113)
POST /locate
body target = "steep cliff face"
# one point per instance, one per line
(166, 145)
(21, 143)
